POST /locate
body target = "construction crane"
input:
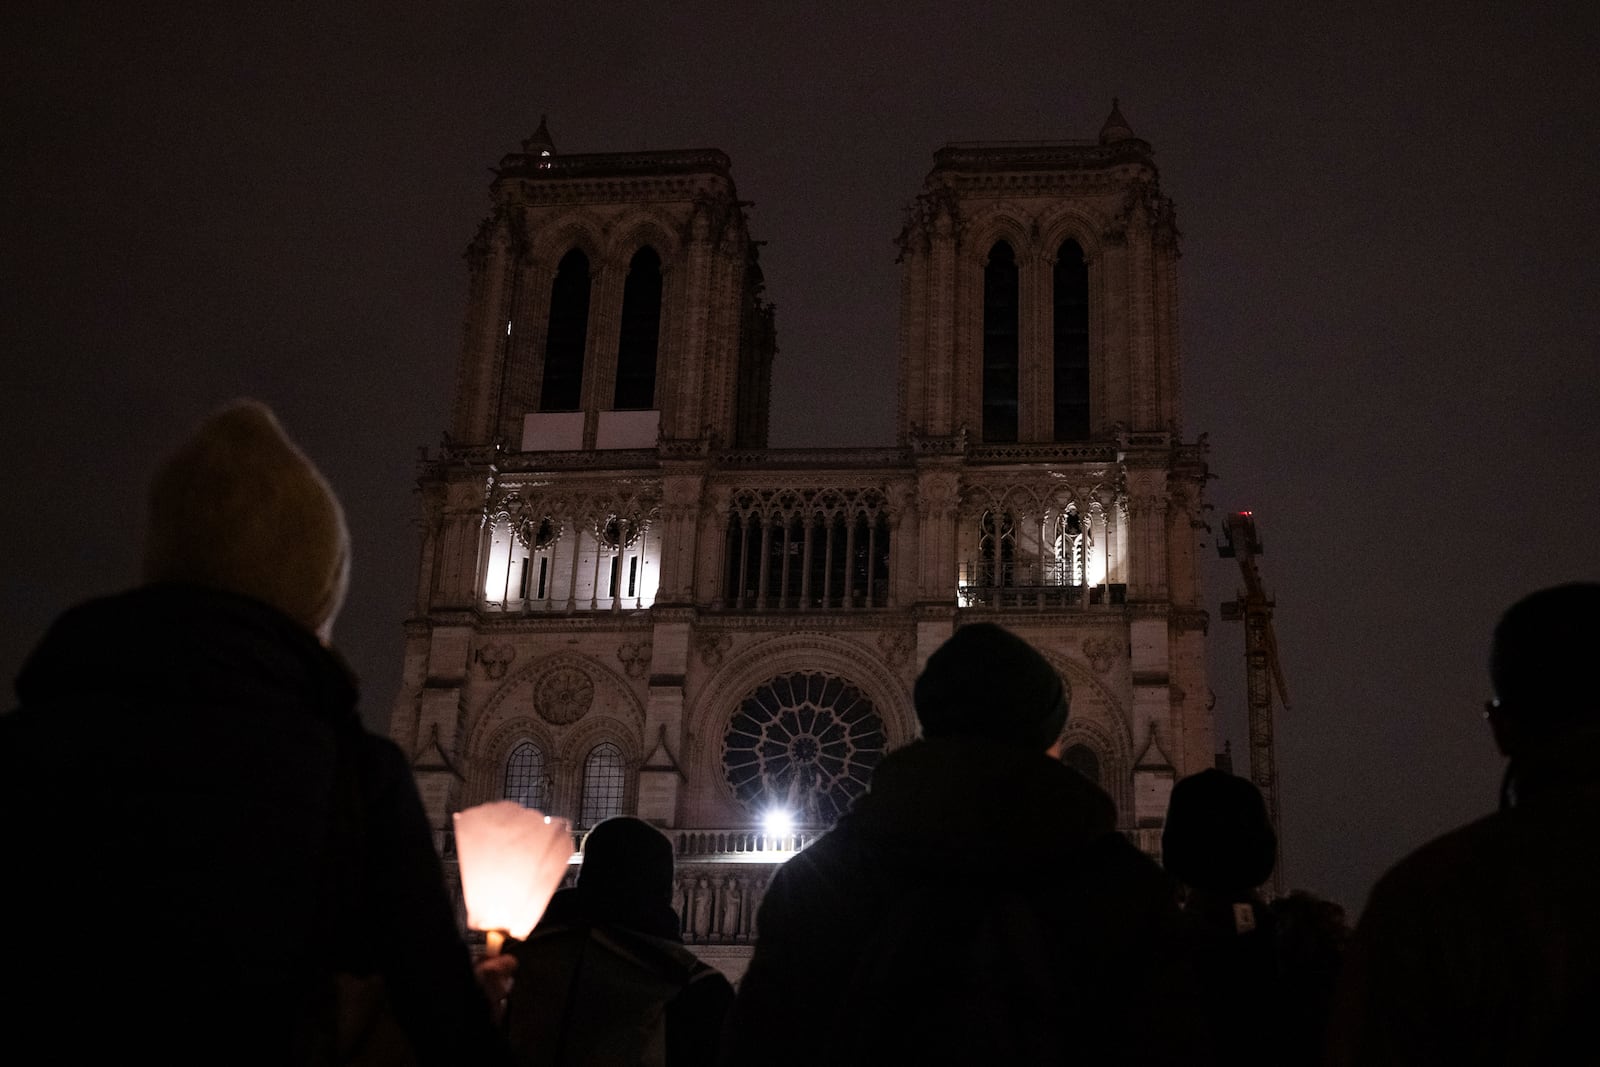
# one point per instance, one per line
(1263, 670)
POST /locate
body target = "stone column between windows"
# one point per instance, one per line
(722, 337)
(530, 330)
(1111, 357)
(577, 557)
(1142, 328)
(1035, 418)
(764, 573)
(1169, 406)
(744, 561)
(693, 295)
(914, 369)
(604, 296)
(491, 335)
(945, 391)
(784, 568)
(969, 321)
(805, 564)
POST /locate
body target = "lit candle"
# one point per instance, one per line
(512, 861)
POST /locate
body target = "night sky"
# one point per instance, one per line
(1390, 323)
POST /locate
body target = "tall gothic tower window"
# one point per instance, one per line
(525, 781)
(604, 779)
(1000, 347)
(641, 330)
(567, 335)
(1071, 344)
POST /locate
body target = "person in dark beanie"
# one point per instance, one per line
(1266, 970)
(211, 858)
(976, 905)
(605, 978)
(1218, 840)
(1483, 946)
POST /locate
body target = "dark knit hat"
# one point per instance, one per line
(1218, 835)
(1540, 661)
(988, 682)
(627, 860)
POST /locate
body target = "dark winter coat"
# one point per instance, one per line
(1483, 947)
(603, 983)
(203, 837)
(1061, 941)
(1266, 974)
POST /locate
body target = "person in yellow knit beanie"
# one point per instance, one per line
(211, 856)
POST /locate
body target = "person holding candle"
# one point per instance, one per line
(605, 978)
(212, 854)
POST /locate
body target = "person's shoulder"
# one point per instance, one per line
(1447, 859)
(383, 762)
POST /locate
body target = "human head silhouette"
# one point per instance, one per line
(1218, 836)
(988, 682)
(1541, 665)
(626, 860)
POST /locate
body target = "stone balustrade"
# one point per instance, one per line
(722, 874)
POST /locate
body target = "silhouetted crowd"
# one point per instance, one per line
(211, 861)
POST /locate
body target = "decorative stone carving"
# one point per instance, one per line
(563, 696)
(495, 660)
(712, 646)
(635, 658)
(1102, 652)
(938, 495)
(896, 646)
(718, 906)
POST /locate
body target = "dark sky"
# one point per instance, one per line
(1391, 332)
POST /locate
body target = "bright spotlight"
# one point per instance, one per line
(778, 823)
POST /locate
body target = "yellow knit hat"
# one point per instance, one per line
(239, 508)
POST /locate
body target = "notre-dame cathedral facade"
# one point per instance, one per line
(628, 603)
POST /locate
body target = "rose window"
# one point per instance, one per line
(805, 742)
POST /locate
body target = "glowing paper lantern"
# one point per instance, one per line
(512, 860)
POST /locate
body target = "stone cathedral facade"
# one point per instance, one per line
(627, 603)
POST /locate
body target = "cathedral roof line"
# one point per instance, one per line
(615, 164)
(1012, 156)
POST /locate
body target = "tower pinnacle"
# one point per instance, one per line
(1116, 127)
(540, 144)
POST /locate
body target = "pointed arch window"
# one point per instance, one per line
(1071, 355)
(641, 332)
(1072, 546)
(997, 550)
(604, 783)
(1000, 344)
(525, 779)
(567, 334)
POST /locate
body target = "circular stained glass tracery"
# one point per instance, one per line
(806, 742)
